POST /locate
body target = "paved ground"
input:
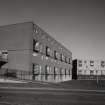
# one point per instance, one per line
(50, 96)
(40, 93)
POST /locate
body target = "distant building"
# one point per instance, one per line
(29, 53)
(88, 69)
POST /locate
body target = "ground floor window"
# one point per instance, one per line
(79, 72)
(91, 72)
(36, 69)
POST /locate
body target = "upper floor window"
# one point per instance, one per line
(56, 55)
(3, 54)
(102, 63)
(91, 63)
(48, 51)
(36, 30)
(62, 57)
(37, 46)
(85, 62)
(80, 63)
(69, 60)
(66, 59)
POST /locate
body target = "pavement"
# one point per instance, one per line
(45, 96)
(40, 93)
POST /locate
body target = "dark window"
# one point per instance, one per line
(55, 54)
(69, 60)
(102, 63)
(85, 62)
(61, 57)
(60, 71)
(48, 51)
(66, 59)
(80, 63)
(54, 71)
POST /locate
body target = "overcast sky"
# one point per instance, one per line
(78, 24)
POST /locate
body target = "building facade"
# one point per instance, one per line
(31, 54)
(88, 69)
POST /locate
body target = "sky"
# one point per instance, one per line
(78, 24)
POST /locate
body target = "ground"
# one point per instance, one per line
(53, 94)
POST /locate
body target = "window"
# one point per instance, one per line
(69, 60)
(80, 63)
(62, 57)
(48, 51)
(66, 59)
(103, 72)
(36, 46)
(91, 72)
(56, 55)
(47, 69)
(69, 71)
(55, 70)
(79, 72)
(36, 69)
(62, 71)
(85, 72)
(91, 63)
(35, 30)
(102, 63)
(4, 54)
(96, 72)
(65, 72)
(85, 62)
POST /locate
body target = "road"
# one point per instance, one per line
(50, 96)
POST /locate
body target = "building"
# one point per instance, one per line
(29, 53)
(88, 69)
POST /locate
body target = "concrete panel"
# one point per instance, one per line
(19, 60)
(17, 36)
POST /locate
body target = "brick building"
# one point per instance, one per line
(27, 52)
(88, 69)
